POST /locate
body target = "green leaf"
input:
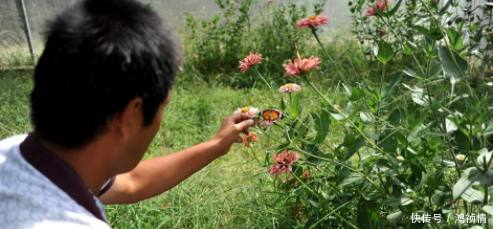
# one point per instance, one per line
(282, 105)
(406, 201)
(488, 209)
(445, 7)
(422, 182)
(396, 116)
(388, 142)
(453, 65)
(484, 156)
(303, 128)
(463, 183)
(417, 95)
(356, 94)
(351, 179)
(435, 69)
(432, 34)
(383, 51)
(409, 48)
(456, 42)
(422, 30)
(472, 196)
(366, 117)
(476, 227)
(347, 90)
(468, 178)
(338, 116)
(394, 217)
(351, 145)
(450, 126)
(322, 123)
(389, 88)
(367, 215)
(411, 73)
(314, 203)
(398, 201)
(391, 12)
(294, 108)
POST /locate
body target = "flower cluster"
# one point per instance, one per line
(379, 7)
(301, 66)
(284, 162)
(312, 22)
(249, 61)
(290, 88)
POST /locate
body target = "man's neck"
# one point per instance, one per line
(87, 162)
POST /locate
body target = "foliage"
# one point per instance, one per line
(215, 45)
(416, 138)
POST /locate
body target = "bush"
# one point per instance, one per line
(403, 147)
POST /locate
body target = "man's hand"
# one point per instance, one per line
(154, 176)
(230, 131)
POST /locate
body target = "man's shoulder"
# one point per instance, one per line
(31, 201)
(54, 219)
(7, 143)
(65, 225)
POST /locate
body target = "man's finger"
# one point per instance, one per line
(243, 125)
(238, 117)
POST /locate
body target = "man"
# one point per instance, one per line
(100, 89)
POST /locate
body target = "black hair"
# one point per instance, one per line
(99, 55)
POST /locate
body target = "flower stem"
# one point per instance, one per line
(314, 32)
(304, 184)
(262, 77)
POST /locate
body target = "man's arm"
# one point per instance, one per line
(154, 176)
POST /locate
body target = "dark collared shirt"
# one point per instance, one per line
(62, 175)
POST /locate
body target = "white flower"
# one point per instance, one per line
(460, 157)
(400, 158)
(251, 112)
(290, 88)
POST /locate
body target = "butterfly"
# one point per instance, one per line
(270, 116)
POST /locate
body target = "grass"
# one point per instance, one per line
(234, 191)
(16, 56)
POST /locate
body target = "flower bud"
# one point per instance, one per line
(460, 157)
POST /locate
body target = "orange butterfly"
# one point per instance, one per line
(270, 116)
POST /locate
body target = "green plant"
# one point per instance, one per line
(414, 138)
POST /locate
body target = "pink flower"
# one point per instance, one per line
(249, 61)
(379, 7)
(370, 12)
(312, 22)
(284, 162)
(249, 138)
(251, 112)
(290, 88)
(301, 66)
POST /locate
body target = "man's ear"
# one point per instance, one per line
(130, 118)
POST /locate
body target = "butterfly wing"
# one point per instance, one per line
(271, 115)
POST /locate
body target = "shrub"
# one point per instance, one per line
(410, 147)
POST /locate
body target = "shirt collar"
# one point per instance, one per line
(60, 173)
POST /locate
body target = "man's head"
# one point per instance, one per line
(102, 58)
